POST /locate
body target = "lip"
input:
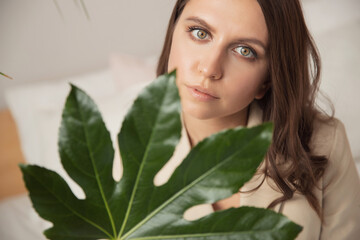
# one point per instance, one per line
(201, 93)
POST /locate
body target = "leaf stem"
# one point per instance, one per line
(133, 192)
(85, 9)
(59, 9)
(6, 75)
(198, 235)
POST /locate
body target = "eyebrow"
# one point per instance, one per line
(211, 29)
(201, 22)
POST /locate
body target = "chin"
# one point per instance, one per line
(198, 112)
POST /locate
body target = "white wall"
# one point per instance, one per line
(335, 25)
(37, 44)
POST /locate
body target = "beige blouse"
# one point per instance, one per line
(339, 194)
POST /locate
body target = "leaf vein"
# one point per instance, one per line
(95, 169)
(154, 130)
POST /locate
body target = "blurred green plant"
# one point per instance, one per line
(5, 75)
(79, 3)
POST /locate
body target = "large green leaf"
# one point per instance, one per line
(134, 208)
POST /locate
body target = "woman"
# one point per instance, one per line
(242, 62)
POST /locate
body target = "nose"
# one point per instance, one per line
(210, 65)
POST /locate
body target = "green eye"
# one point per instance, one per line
(198, 33)
(245, 51)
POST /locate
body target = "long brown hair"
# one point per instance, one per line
(294, 74)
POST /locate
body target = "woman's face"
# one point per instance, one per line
(218, 49)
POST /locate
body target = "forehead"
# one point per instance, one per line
(238, 18)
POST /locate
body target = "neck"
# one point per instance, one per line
(198, 129)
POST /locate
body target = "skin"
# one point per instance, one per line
(219, 51)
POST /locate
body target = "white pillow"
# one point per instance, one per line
(29, 104)
(128, 70)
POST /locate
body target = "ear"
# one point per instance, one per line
(262, 90)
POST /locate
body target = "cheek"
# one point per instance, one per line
(176, 54)
(182, 56)
(245, 83)
(172, 64)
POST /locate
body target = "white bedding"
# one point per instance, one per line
(18, 220)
